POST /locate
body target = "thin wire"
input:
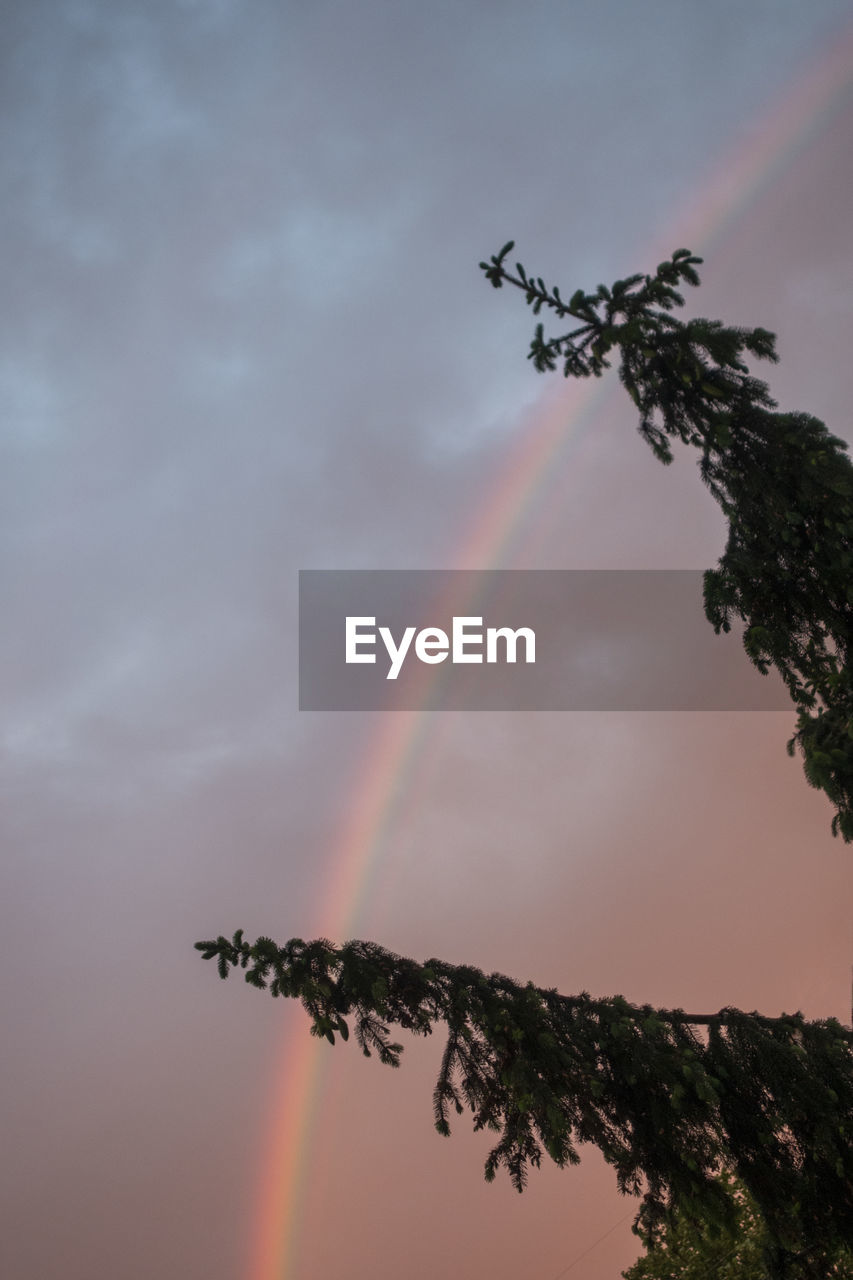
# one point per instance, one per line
(595, 1245)
(725, 1258)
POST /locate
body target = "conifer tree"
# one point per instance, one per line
(740, 1253)
(672, 1100)
(669, 1098)
(783, 482)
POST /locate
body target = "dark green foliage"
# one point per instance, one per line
(669, 1098)
(784, 483)
(742, 1252)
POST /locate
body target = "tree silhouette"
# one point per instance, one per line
(783, 482)
(671, 1099)
(741, 1253)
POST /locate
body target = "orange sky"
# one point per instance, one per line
(245, 334)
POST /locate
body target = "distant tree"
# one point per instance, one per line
(671, 1099)
(739, 1253)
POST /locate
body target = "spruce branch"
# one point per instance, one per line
(783, 482)
(669, 1098)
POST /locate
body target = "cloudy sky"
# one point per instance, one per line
(244, 333)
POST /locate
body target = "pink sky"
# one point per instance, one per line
(245, 335)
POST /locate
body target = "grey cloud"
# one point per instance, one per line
(244, 333)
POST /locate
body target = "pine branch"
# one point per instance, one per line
(783, 482)
(667, 1105)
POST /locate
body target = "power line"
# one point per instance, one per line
(725, 1258)
(595, 1245)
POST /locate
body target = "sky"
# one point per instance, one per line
(244, 334)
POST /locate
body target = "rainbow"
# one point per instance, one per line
(385, 778)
